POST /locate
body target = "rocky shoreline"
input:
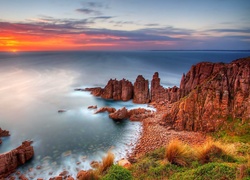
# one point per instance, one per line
(208, 95)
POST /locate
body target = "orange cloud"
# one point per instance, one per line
(24, 42)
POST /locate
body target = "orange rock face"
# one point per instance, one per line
(11, 160)
(116, 90)
(208, 94)
(119, 114)
(3, 133)
(141, 91)
(105, 109)
(211, 94)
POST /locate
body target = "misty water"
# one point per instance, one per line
(35, 85)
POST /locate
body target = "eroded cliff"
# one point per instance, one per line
(211, 93)
(208, 94)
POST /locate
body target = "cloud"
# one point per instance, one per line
(103, 17)
(88, 11)
(81, 32)
(153, 24)
(245, 30)
(95, 4)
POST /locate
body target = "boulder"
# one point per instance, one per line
(119, 114)
(11, 160)
(124, 163)
(105, 109)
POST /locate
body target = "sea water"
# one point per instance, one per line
(35, 85)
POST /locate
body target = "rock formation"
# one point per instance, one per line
(134, 114)
(116, 90)
(97, 91)
(208, 94)
(141, 91)
(211, 93)
(119, 114)
(105, 109)
(3, 133)
(11, 160)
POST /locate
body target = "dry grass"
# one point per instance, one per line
(211, 150)
(107, 162)
(178, 153)
(87, 175)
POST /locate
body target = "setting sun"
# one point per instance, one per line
(14, 50)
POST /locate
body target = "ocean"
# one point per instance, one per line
(35, 85)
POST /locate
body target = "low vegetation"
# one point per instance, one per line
(223, 157)
(215, 151)
(212, 160)
(106, 163)
(117, 173)
(178, 153)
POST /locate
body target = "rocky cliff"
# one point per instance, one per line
(211, 93)
(11, 160)
(3, 133)
(208, 94)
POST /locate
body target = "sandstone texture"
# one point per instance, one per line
(11, 160)
(208, 94)
(119, 114)
(3, 133)
(211, 93)
(115, 89)
(141, 91)
(105, 109)
(134, 114)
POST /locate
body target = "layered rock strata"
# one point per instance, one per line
(212, 93)
(11, 160)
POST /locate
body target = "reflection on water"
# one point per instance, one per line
(34, 86)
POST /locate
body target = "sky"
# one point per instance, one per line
(64, 25)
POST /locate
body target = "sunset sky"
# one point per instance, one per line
(42, 25)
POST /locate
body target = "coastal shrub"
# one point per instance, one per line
(243, 172)
(157, 154)
(179, 153)
(233, 130)
(107, 162)
(148, 165)
(210, 171)
(144, 165)
(87, 175)
(118, 173)
(215, 151)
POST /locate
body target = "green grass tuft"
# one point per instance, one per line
(211, 171)
(118, 173)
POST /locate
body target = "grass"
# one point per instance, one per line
(87, 175)
(178, 153)
(118, 173)
(101, 170)
(215, 151)
(212, 160)
(211, 171)
(106, 163)
(225, 157)
(233, 130)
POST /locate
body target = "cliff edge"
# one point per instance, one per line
(209, 94)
